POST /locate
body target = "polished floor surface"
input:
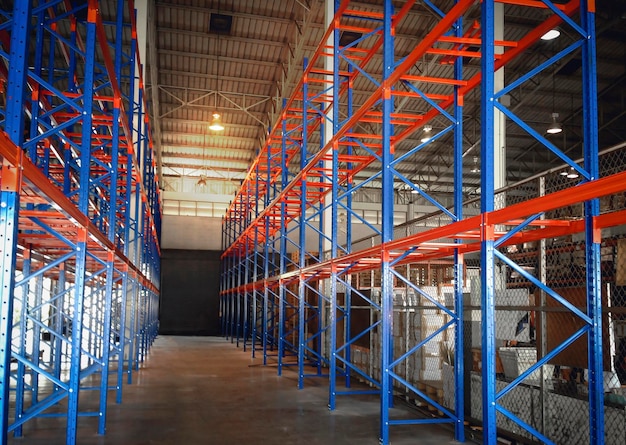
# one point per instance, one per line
(203, 390)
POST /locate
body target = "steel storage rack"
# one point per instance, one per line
(340, 132)
(80, 222)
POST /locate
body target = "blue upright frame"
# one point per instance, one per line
(381, 108)
(78, 226)
(591, 317)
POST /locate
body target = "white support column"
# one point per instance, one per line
(327, 215)
(141, 9)
(499, 139)
(500, 119)
(329, 13)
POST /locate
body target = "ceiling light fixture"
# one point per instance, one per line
(202, 180)
(554, 127)
(551, 35)
(427, 130)
(216, 121)
(572, 174)
(475, 168)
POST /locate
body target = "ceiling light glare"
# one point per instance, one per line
(427, 130)
(551, 35)
(572, 174)
(554, 127)
(216, 123)
(475, 168)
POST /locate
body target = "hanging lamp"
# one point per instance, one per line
(572, 173)
(216, 120)
(555, 127)
(551, 34)
(475, 168)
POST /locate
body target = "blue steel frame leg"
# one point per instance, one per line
(231, 299)
(593, 236)
(238, 278)
(255, 292)
(266, 305)
(459, 351)
(36, 330)
(34, 102)
(282, 292)
(237, 297)
(106, 343)
(302, 232)
(10, 197)
(9, 205)
(386, 334)
(21, 368)
(487, 236)
(122, 341)
(132, 344)
(348, 229)
(281, 326)
(255, 296)
(59, 345)
(265, 322)
(76, 348)
(320, 284)
(141, 334)
(246, 309)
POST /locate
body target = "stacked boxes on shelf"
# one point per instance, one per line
(415, 317)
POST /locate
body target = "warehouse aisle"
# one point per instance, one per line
(204, 390)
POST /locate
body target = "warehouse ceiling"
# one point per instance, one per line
(240, 58)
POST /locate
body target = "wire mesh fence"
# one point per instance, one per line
(540, 306)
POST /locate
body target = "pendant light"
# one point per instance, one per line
(426, 135)
(216, 121)
(572, 173)
(554, 127)
(475, 168)
(551, 34)
(202, 180)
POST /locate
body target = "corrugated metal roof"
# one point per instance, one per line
(240, 75)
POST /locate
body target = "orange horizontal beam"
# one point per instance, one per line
(439, 80)
(530, 3)
(364, 14)
(34, 182)
(476, 41)
(428, 251)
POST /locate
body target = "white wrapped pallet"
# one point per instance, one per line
(415, 319)
(433, 293)
(430, 374)
(433, 346)
(431, 368)
(398, 324)
(432, 320)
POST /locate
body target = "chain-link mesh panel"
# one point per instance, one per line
(537, 284)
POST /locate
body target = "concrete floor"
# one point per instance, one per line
(203, 390)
